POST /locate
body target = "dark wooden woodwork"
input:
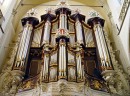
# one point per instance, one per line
(34, 68)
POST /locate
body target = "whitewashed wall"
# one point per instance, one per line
(115, 8)
(125, 33)
(6, 8)
(122, 40)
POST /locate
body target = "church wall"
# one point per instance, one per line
(120, 41)
(125, 35)
(6, 37)
(115, 8)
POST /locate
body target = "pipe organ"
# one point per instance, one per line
(63, 47)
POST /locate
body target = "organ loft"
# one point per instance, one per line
(62, 55)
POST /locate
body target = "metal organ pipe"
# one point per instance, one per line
(47, 62)
(63, 21)
(105, 48)
(99, 45)
(79, 31)
(48, 17)
(62, 60)
(22, 40)
(47, 32)
(28, 24)
(62, 64)
(103, 44)
(22, 43)
(45, 69)
(23, 46)
(79, 66)
(97, 23)
(62, 48)
(27, 42)
(101, 41)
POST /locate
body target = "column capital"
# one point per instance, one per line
(48, 17)
(96, 20)
(32, 20)
(78, 16)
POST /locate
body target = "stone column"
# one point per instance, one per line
(122, 77)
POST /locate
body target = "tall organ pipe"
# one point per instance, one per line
(28, 24)
(47, 32)
(79, 31)
(79, 66)
(63, 23)
(62, 60)
(62, 38)
(97, 24)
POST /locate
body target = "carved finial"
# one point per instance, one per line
(62, 3)
(77, 10)
(48, 10)
(93, 14)
(31, 12)
(110, 15)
